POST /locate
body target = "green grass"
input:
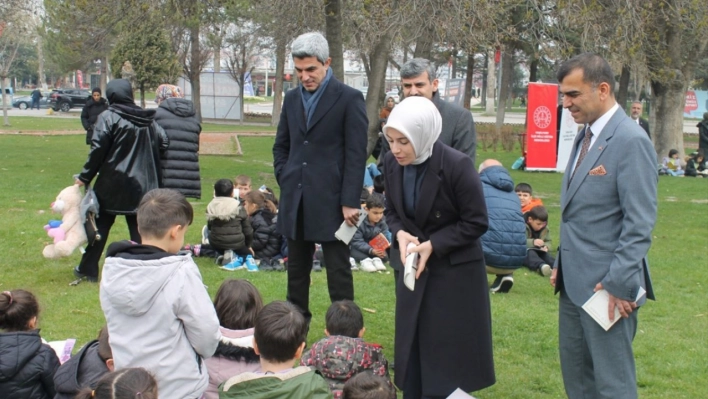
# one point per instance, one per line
(670, 345)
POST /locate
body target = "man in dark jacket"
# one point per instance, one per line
(703, 133)
(319, 161)
(85, 368)
(504, 243)
(636, 115)
(180, 163)
(93, 108)
(125, 154)
(36, 95)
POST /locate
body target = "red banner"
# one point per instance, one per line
(541, 118)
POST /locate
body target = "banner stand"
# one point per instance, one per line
(541, 123)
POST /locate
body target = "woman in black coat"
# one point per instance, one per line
(435, 200)
(180, 163)
(93, 108)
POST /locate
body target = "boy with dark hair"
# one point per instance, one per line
(525, 193)
(371, 259)
(230, 232)
(84, 369)
(157, 310)
(279, 338)
(368, 386)
(538, 241)
(343, 353)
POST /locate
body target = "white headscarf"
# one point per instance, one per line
(419, 120)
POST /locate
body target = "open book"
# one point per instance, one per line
(63, 348)
(379, 243)
(597, 306)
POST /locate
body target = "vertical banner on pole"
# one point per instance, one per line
(541, 127)
(566, 137)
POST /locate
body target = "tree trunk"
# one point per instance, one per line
(483, 94)
(278, 87)
(468, 80)
(333, 20)
(669, 102)
(5, 100)
(142, 95)
(507, 68)
(533, 70)
(217, 59)
(491, 83)
(103, 81)
(241, 90)
(195, 69)
(378, 60)
(622, 92)
(41, 81)
(424, 44)
(453, 63)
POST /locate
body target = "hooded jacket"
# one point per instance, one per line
(27, 366)
(298, 383)
(81, 371)
(90, 113)
(504, 243)
(228, 225)
(159, 316)
(339, 358)
(125, 152)
(233, 356)
(266, 240)
(180, 163)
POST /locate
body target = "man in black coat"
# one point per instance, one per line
(636, 115)
(319, 161)
(36, 95)
(95, 105)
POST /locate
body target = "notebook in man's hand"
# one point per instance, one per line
(598, 304)
(346, 232)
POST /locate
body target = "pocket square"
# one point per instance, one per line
(599, 171)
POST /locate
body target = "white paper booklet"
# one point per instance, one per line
(460, 394)
(597, 305)
(63, 348)
(346, 232)
(410, 268)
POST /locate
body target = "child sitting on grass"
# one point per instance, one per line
(525, 193)
(279, 339)
(266, 240)
(126, 383)
(366, 385)
(85, 368)
(538, 241)
(672, 164)
(237, 304)
(27, 365)
(158, 311)
(242, 183)
(343, 353)
(371, 259)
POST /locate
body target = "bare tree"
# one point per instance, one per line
(15, 27)
(243, 46)
(333, 19)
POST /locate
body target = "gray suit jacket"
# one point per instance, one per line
(607, 219)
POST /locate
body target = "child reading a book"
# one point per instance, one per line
(672, 164)
(372, 238)
(85, 368)
(538, 241)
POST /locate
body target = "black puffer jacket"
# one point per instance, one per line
(228, 225)
(90, 113)
(266, 240)
(180, 163)
(83, 370)
(27, 366)
(125, 152)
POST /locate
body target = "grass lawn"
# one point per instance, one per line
(670, 345)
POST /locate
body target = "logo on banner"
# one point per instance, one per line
(542, 117)
(691, 102)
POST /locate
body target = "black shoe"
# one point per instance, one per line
(316, 266)
(277, 266)
(80, 276)
(266, 266)
(502, 284)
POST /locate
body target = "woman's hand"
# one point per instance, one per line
(424, 251)
(404, 239)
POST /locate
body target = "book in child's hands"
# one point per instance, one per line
(379, 243)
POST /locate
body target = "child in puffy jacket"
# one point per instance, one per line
(262, 215)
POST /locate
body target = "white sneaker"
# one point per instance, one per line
(367, 265)
(352, 262)
(545, 270)
(378, 263)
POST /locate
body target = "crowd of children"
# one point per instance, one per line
(164, 336)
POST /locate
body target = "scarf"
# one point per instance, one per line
(311, 99)
(419, 120)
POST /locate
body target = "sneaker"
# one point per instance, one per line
(352, 262)
(502, 284)
(205, 235)
(80, 276)
(277, 265)
(251, 264)
(266, 265)
(545, 270)
(378, 263)
(236, 264)
(228, 257)
(367, 265)
(316, 265)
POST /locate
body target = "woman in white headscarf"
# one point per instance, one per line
(434, 199)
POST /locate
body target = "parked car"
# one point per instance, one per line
(66, 99)
(25, 102)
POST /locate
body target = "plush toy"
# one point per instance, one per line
(70, 234)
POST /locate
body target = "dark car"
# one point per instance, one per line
(25, 102)
(66, 99)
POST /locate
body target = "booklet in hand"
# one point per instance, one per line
(410, 268)
(598, 304)
(346, 232)
(379, 243)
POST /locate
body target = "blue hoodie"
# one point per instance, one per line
(504, 243)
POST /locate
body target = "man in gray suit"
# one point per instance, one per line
(608, 210)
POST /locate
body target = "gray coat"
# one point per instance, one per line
(457, 127)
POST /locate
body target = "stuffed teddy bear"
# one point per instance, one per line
(70, 234)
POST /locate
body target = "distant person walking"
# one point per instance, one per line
(36, 95)
(180, 163)
(93, 108)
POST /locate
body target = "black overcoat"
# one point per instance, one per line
(449, 308)
(320, 167)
